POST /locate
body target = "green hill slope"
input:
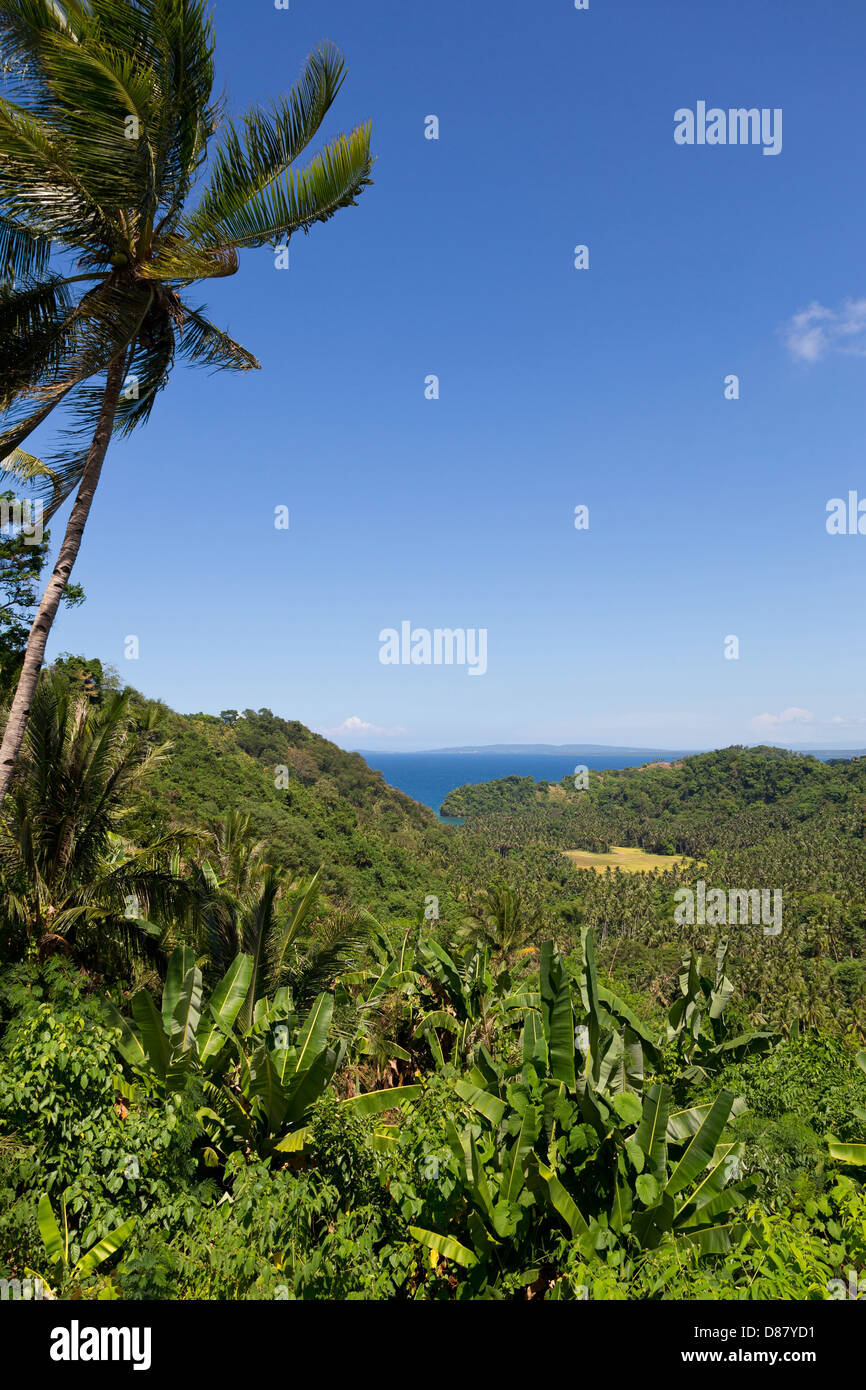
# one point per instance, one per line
(312, 802)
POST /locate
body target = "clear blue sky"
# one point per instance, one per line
(558, 387)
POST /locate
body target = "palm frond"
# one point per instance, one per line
(204, 345)
(38, 187)
(108, 123)
(332, 180)
(335, 947)
(148, 371)
(258, 927)
(26, 26)
(78, 768)
(174, 259)
(262, 146)
(36, 331)
(22, 254)
(106, 325)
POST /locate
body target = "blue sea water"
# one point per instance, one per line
(429, 777)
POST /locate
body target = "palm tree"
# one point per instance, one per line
(294, 939)
(239, 858)
(104, 130)
(68, 879)
(501, 922)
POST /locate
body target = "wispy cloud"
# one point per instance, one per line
(814, 332)
(803, 717)
(786, 718)
(354, 726)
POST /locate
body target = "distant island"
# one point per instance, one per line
(603, 749)
(567, 749)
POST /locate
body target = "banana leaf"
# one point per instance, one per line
(446, 1246)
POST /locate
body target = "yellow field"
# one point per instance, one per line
(631, 861)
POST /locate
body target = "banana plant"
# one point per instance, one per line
(685, 1198)
(167, 1044)
(260, 1081)
(55, 1238)
(284, 1065)
(518, 1104)
(472, 999)
(498, 1214)
(611, 1096)
(573, 1124)
(389, 982)
(697, 1030)
(852, 1154)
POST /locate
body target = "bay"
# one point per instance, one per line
(429, 777)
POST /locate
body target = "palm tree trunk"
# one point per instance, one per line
(16, 725)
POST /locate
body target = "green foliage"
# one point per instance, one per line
(813, 1079)
(104, 132)
(283, 1235)
(70, 1127)
(22, 560)
(259, 1072)
(306, 1101)
(375, 847)
(66, 1276)
(69, 881)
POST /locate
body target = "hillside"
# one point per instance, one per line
(312, 802)
(735, 795)
(318, 1024)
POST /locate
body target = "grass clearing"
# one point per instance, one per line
(631, 861)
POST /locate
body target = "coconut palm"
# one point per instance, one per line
(292, 937)
(236, 857)
(68, 878)
(106, 119)
(501, 922)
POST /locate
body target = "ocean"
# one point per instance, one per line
(429, 777)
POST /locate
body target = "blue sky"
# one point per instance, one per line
(558, 387)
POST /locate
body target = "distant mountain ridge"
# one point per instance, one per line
(601, 749)
(566, 749)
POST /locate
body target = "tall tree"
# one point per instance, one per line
(105, 126)
(23, 555)
(501, 922)
(66, 873)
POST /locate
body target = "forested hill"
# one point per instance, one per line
(734, 794)
(313, 804)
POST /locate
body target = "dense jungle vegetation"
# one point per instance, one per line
(269, 1036)
(268, 1029)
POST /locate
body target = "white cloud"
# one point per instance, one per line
(353, 726)
(788, 716)
(814, 332)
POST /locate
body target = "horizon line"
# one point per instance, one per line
(570, 748)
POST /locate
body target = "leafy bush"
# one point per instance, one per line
(283, 1235)
(810, 1077)
(69, 1123)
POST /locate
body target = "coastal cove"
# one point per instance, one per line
(428, 777)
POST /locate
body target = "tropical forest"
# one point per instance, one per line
(271, 1029)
